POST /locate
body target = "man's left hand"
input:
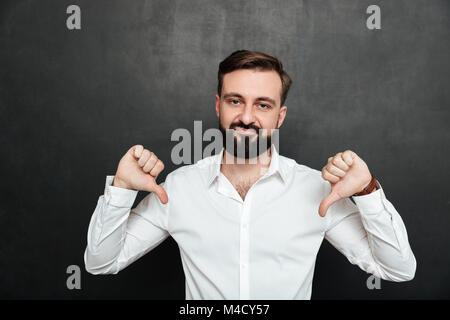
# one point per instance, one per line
(347, 174)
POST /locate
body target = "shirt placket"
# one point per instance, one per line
(244, 290)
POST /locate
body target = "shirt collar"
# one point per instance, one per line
(276, 166)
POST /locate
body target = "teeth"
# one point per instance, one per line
(242, 129)
(246, 131)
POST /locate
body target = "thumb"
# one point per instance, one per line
(161, 193)
(327, 202)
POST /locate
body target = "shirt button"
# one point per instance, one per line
(243, 266)
(244, 227)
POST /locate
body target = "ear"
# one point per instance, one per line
(281, 115)
(217, 105)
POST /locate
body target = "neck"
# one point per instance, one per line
(233, 167)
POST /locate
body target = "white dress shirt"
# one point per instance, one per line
(263, 247)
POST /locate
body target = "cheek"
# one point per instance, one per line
(224, 119)
(269, 120)
(227, 115)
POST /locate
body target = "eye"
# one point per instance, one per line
(264, 106)
(234, 102)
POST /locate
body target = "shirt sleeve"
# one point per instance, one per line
(119, 235)
(372, 235)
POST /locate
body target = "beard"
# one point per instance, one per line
(245, 146)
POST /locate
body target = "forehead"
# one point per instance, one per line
(252, 83)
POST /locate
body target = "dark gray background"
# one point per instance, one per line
(73, 102)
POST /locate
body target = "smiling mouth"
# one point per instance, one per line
(244, 131)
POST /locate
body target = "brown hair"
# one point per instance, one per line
(244, 59)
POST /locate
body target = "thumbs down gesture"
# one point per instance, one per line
(347, 174)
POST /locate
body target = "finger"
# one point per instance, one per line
(329, 177)
(335, 170)
(327, 202)
(339, 162)
(348, 157)
(162, 195)
(148, 166)
(144, 157)
(137, 150)
(159, 166)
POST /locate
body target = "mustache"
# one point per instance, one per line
(245, 126)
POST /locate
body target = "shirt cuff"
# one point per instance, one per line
(371, 203)
(118, 197)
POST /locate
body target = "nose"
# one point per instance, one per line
(247, 115)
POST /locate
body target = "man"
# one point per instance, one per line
(249, 230)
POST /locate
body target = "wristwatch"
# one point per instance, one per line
(369, 189)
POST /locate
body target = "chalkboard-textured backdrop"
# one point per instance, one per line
(73, 101)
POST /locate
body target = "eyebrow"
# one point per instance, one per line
(235, 94)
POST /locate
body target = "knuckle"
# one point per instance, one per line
(136, 150)
(156, 165)
(146, 153)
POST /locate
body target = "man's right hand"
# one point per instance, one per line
(138, 170)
